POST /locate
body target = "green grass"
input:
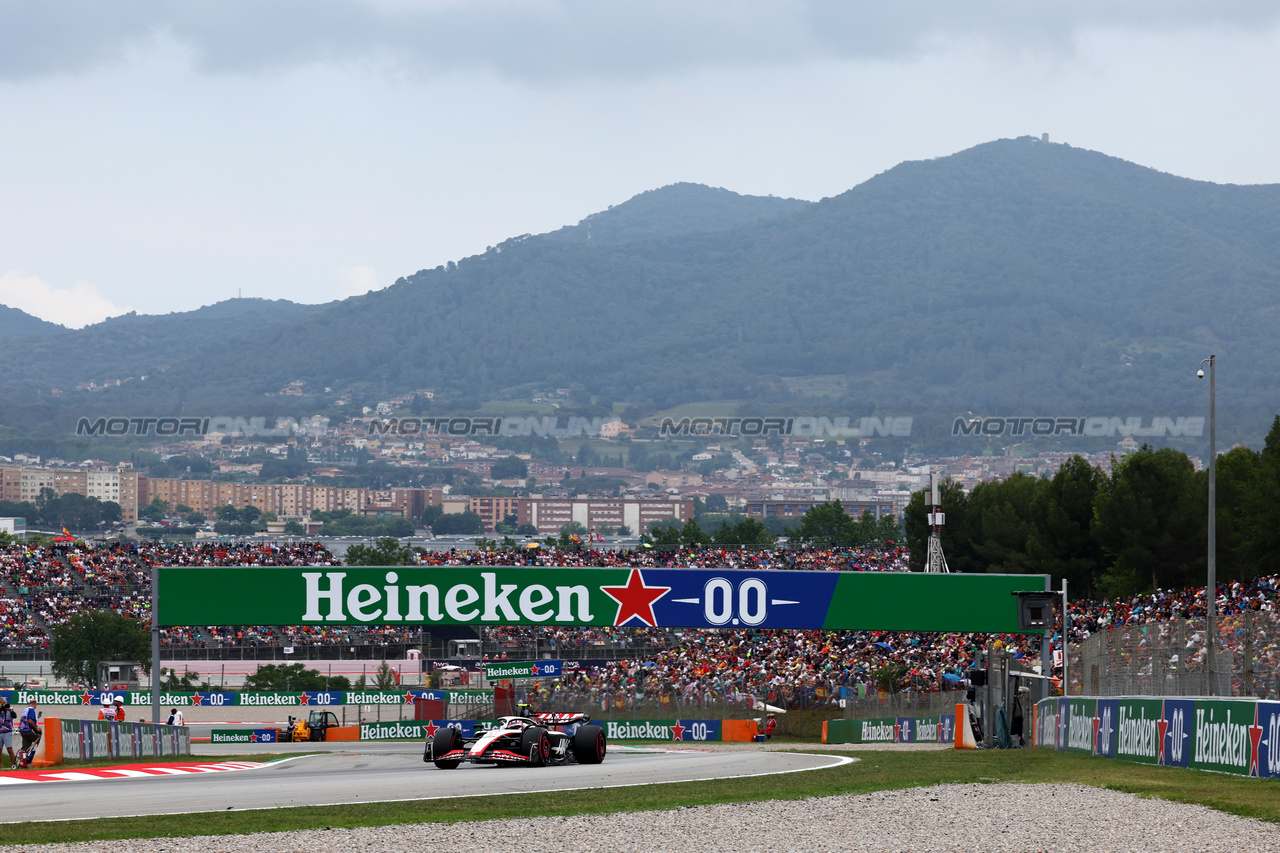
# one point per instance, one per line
(877, 771)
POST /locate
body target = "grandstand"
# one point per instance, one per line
(41, 586)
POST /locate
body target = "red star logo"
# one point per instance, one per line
(677, 731)
(1097, 721)
(86, 698)
(253, 738)
(432, 728)
(635, 600)
(897, 732)
(939, 731)
(1162, 728)
(408, 698)
(196, 698)
(1255, 737)
(304, 699)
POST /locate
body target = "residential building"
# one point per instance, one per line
(549, 515)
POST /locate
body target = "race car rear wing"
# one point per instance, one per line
(563, 719)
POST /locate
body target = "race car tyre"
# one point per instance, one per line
(588, 745)
(444, 742)
(536, 743)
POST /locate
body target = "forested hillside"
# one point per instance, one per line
(1013, 275)
(675, 209)
(20, 324)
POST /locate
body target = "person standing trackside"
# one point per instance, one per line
(29, 726)
(175, 717)
(7, 718)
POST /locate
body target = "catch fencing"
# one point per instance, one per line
(1174, 659)
(903, 705)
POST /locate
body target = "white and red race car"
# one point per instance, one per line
(521, 740)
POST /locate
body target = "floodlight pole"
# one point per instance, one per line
(1066, 685)
(155, 645)
(1211, 587)
(1046, 650)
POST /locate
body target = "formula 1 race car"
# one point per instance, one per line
(521, 740)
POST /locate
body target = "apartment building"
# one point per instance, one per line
(549, 515)
(25, 484)
(118, 486)
(790, 508)
(289, 499)
(494, 510)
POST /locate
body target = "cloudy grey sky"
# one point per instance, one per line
(158, 156)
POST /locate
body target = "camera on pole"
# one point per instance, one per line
(1035, 610)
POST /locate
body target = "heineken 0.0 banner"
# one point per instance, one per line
(689, 598)
(672, 730)
(218, 699)
(936, 729)
(495, 670)
(1240, 736)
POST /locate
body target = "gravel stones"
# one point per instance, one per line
(995, 817)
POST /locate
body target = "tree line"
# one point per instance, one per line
(71, 510)
(1141, 527)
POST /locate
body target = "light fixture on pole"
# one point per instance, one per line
(1211, 588)
(935, 561)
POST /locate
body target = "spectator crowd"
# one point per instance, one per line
(41, 586)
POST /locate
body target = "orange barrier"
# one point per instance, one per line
(49, 750)
(824, 731)
(964, 731)
(342, 733)
(743, 731)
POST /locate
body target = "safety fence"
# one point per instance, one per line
(90, 740)
(938, 728)
(1176, 658)
(1239, 736)
(881, 705)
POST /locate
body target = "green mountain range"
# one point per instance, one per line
(1017, 276)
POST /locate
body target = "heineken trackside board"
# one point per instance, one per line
(1239, 736)
(219, 699)
(634, 597)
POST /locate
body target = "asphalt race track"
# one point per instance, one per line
(376, 772)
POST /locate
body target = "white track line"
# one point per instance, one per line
(841, 761)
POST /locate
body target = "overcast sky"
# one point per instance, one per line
(159, 156)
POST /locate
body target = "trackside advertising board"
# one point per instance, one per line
(496, 670)
(219, 699)
(242, 736)
(420, 729)
(690, 598)
(667, 730)
(1240, 736)
(935, 729)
